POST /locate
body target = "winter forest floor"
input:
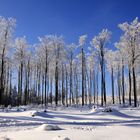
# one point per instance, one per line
(70, 123)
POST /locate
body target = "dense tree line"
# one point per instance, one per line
(52, 72)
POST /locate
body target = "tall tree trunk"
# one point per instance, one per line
(42, 89)
(71, 81)
(66, 87)
(90, 86)
(134, 86)
(112, 81)
(104, 82)
(94, 84)
(129, 71)
(56, 84)
(2, 77)
(7, 99)
(28, 82)
(10, 88)
(63, 92)
(19, 85)
(38, 86)
(97, 88)
(21, 73)
(51, 89)
(46, 70)
(83, 78)
(123, 91)
(119, 89)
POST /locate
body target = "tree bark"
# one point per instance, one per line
(112, 81)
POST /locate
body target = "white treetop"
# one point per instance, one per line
(100, 40)
(82, 40)
(130, 41)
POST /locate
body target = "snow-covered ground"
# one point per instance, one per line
(70, 124)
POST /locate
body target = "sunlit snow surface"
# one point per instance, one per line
(70, 124)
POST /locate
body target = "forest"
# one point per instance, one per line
(53, 72)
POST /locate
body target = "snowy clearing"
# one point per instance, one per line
(70, 124)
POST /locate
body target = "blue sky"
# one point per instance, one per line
(69, 18)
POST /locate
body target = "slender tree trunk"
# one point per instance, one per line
(134, 86)
(56, 83)
(112, 81)
(7, 99)
(76, 82)
(51, 89)
(10, 88)
(21, 73)
(28, 82)
(42, 89)
(39, 73)
(123, 91)
(19, 86)
(102, 84)
(71, 81)
(46, 70)
(129, 71)
(119, 89)
(2, 77)
(83, 77)
(90, 86)
(85, 87)
(66, 87)
(97, 88)
(94, 84)
(63, 93)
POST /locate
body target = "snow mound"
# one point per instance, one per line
(93, 110)
(48, 127)
(60, 138)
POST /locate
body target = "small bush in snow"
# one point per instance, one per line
(107, 110)
(18, 110)
(66, 138)
(33, 114)
(61, 138)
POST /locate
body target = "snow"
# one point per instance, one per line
(61, 123)
(46, 127)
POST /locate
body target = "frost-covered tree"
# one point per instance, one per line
(111, 59)
(6, 30)
(82, 40)
(20, 55)
(46, 44)
(131, 44)
(122, 60)
(99, 42)
(70, 55)
(57, 45)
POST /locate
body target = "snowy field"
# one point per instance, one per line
(70, 124)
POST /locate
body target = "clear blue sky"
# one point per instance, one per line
(69, 18)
